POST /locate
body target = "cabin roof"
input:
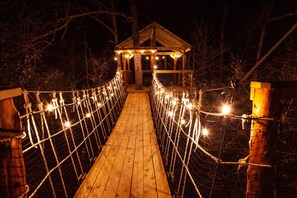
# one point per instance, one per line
(167, 39)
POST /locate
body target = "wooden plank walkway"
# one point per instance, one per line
(130, 164)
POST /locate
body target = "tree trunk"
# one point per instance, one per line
(114, 24)
(222, 37)
(136, 44)
(263, 31)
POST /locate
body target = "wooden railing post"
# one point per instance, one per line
(12, 167)
(266, 112)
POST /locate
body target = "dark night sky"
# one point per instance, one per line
(179, 16)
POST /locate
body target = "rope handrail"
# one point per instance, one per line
(65, 131)
(182, 140)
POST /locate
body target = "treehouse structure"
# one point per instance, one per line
(160, 51)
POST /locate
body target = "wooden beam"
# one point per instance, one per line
(174, 71)
(10, 93)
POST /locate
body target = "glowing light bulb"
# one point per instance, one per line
(78, 102)
(170, 113)
(88, 115)
(163, 57)
(153, 51)
(226, 109)
(67, 124)
(111, 94)
(174, 102)
(183, 121)
(127, 56)
(119, 52)
(115, 58)
(118, 72)
(155, 67)
(99, 104)
(190, 106)
(157, 57)
(204, 132)
(147, 58)
(50, 107)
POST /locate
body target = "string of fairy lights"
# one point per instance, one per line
(179, 122)
(80, 121)
(168, 98)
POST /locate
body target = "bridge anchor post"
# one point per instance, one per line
(12, 167)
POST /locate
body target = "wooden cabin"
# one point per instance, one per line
(161, 52)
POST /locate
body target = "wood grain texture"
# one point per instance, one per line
(130, 164)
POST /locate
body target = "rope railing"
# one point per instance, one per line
(65, 132)
(191, 156)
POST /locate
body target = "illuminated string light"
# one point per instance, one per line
(170, 113)
(147, 58)
(157, 57)
(88, 115)
(190, 106)
(99, 104)
(67, 124)
(174, 102)
(163, 57)
(205, 132)
(50, 107)
(226, 109)
(153, 51)
(115, 58)
(155, 67)
(183, 122)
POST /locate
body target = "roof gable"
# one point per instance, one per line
(162, 35)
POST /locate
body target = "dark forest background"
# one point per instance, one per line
(65, 45)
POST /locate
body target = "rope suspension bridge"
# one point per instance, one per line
(66, 132)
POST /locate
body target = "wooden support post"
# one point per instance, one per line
(138, 71)
(124, 61)
(266, 99)
(184, 67)
(153, 61)
(12, 167)
(129, 72)
(174, 67)
(191, 82)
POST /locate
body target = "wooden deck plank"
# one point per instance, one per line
(130, 164)
(137, 178)
(113, 182)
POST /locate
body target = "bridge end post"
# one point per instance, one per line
(12, 166)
